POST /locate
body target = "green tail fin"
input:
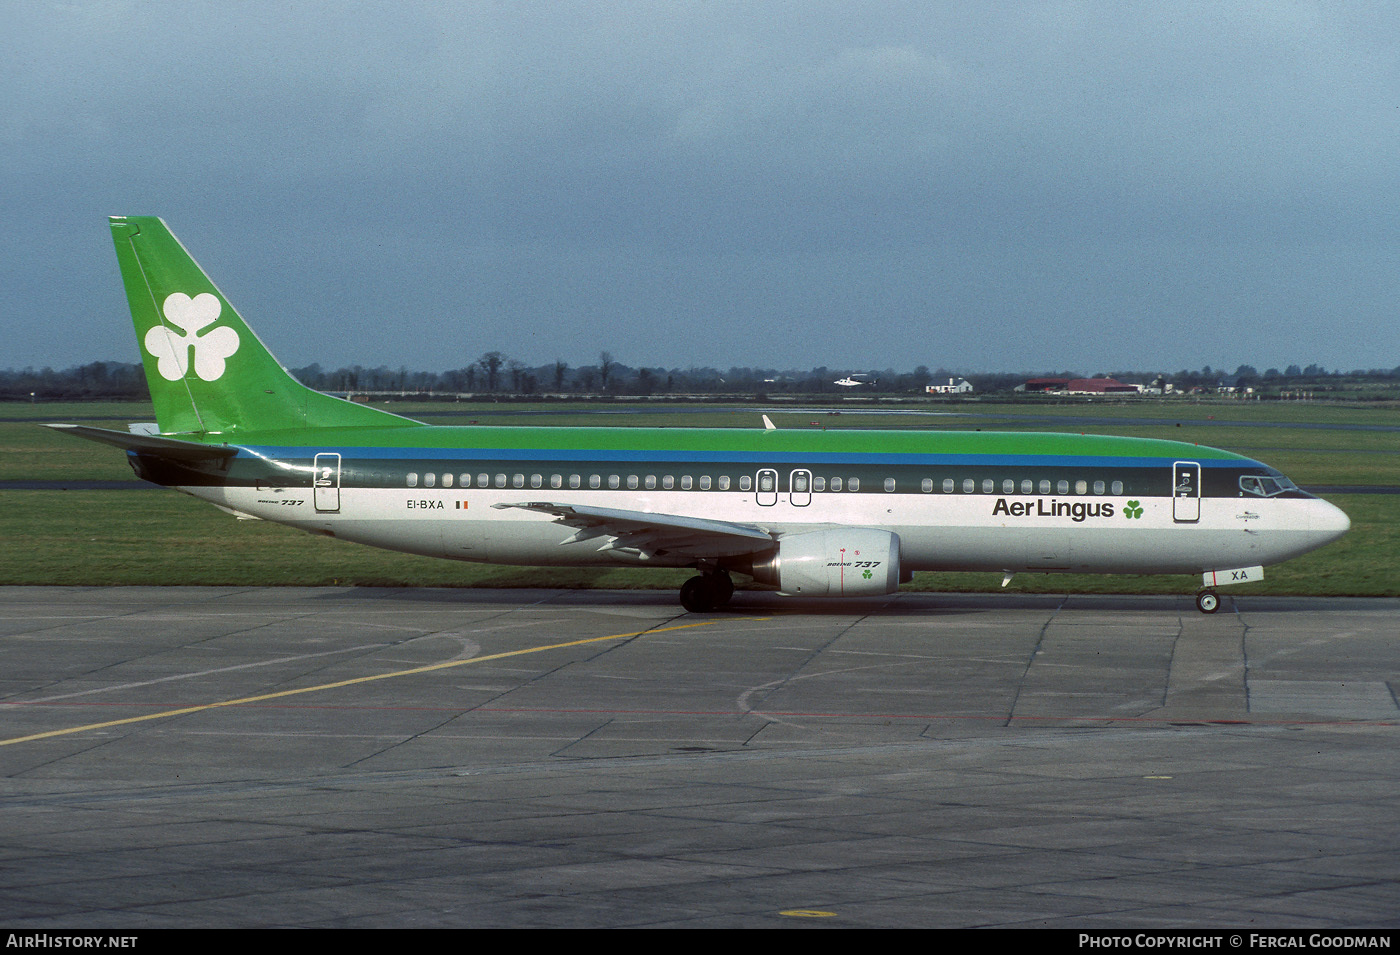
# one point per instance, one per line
(206, 369)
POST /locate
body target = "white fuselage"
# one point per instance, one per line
(937, 531)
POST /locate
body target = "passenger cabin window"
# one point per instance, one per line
(412, 478)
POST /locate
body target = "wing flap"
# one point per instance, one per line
(651, 534)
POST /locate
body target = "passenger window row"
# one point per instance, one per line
(614, 482)
(767, 479)
(1026, 486)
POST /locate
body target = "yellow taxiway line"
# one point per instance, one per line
(165, 714)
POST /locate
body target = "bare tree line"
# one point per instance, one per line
(497, 374)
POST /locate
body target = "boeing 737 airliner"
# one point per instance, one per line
(831, 513)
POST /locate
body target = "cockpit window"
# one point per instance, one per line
(1260, 486)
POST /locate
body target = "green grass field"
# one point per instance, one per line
(140, 536)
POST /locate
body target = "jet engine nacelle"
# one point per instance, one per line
(842, 562)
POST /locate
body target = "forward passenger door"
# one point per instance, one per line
(1186, 492)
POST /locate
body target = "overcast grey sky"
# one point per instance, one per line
(1012, 186)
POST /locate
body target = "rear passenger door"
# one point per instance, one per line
(325, 482)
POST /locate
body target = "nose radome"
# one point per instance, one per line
(1329, 520)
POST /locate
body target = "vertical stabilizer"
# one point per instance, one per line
(207, 371)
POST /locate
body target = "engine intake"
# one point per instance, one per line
(842, 562)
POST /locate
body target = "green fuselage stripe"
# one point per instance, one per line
(641, 459)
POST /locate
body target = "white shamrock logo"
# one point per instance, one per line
(190, 315)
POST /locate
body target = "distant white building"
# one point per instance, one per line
(955, 386)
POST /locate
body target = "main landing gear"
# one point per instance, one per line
(707, 592)
(1207, 601)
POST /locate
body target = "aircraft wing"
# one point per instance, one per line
(653, 535)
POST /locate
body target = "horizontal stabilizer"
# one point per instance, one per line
(171, 448)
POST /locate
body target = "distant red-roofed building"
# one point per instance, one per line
(1100, 386)
(1079, 386)
(1045, 384)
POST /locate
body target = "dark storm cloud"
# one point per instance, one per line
(989, 186)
